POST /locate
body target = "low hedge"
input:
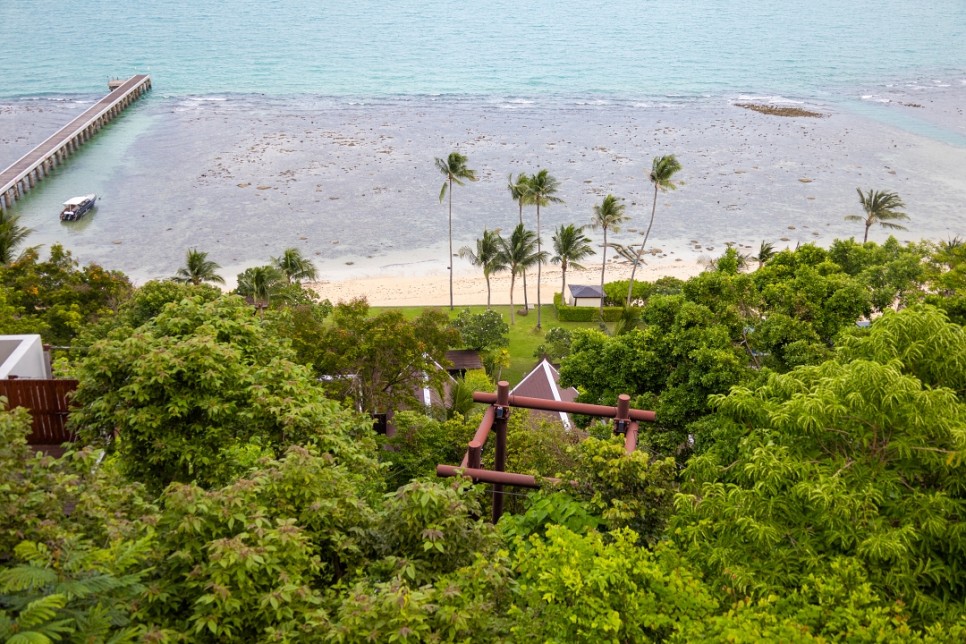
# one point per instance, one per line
(567, 313)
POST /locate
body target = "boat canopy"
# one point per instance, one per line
(76, 201)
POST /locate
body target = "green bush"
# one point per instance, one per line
(566, 313)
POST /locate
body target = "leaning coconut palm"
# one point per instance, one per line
(455, 170)
(198, 269)
(520, 191)
(294, 266)
(880, 208)
(608, 215)
(260, 283)
(570, 245)
(12, 235)
(663, 170)
(518, 254)
(543, 190)
(487, 256)
(765, 252)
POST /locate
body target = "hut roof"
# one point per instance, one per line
(585, 290)
(543, 381)
(464, 359)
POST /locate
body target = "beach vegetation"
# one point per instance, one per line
(765, 252)
(58, 297)
(482, 331)
(616, 291)
(12, 236)
(455, 169)
(609, 215)
(518, 253)
(567, 313)
(662, 173)
(295, 266)
(519, 190)
(487, 256)
(260, 284)
(570, 246)
(556, 344)
(198, 269)
(881, 207)
(542, 191)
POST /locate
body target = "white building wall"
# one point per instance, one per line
(22, 356)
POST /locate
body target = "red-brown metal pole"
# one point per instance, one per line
(502, 411)
(587, 409)
(630, 438)
(479, 438)
(622, 417)
(474, 456)
(489, 476)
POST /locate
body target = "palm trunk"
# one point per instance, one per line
(513, 277)
(865, 238)
(451, 244)
(525, 301)
(640, 252)
(487, 276)
(603, 266)
(563, 279)
(539, 265)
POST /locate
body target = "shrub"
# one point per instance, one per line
(566, 313)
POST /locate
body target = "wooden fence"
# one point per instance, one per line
(48, 402)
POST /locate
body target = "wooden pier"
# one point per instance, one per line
(17, 180)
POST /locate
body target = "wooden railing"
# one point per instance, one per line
(48, 402)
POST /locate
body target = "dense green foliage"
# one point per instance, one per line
(484, 331)
(858, 460)
(805, 480)
(198, 393)
(56, 297)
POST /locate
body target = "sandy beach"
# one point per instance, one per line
(469, 288)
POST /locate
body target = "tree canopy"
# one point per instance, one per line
(804, 480)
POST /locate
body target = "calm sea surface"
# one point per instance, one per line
(315, 124)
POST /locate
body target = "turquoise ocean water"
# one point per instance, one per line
(279, 123)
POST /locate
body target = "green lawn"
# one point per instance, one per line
(524, 337)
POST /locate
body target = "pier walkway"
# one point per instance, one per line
(17, 180)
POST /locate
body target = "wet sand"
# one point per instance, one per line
(354, 187)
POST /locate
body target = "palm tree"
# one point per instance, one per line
(663, 170)
(570, 245)
(765, 252)
(881, 208)
(520, 191)
(260, 283)
(455, 170)
(608, 215)
(543, 188)
(294, 266)
(518, 254)
(198, 268)
(12, 234)
(487, 256)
